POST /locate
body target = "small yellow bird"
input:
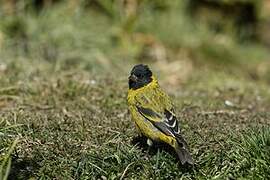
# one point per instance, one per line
(153, 112)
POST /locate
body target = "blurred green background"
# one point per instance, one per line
(186, 35)
(63, 83)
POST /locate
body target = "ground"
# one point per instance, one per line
(63, 101)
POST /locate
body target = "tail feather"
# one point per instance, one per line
(184, 156)
(182, 151)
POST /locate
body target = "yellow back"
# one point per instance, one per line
(150, 96)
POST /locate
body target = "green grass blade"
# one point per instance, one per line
(5, 165)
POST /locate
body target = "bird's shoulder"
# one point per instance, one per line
(154, 98)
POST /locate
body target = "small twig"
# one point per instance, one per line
(9, 97)
(7, 89)
(123, 175)
(221, 112)
(39, 106)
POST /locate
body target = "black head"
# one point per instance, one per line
(140, 76)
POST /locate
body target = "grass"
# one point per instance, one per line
(66, 85)
(6, 162)
(6, 156)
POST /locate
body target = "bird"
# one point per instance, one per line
(153, 112)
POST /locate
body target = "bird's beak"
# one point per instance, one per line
(132, 78)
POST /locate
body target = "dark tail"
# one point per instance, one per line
(182, 151)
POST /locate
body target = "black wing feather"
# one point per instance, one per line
(148, 112)
(171, 121)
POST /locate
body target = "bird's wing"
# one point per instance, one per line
(156, 106)
(166, 122)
